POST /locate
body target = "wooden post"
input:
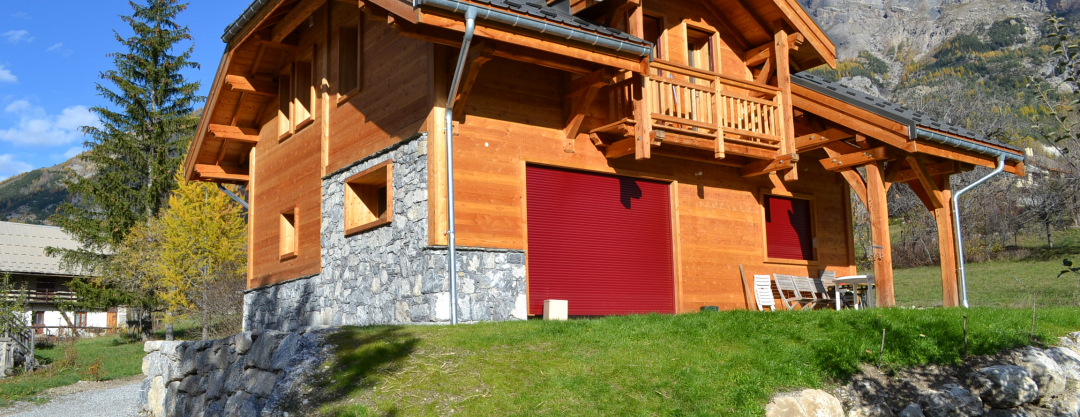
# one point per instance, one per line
(783, 81)
(642, 109)
(878, 207)
(950, 295)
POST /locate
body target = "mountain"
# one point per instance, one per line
(31, 197)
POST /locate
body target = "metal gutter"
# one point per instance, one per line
(959, 239)
(968, 145)
(245, 17)
(603, 43)
(470, 27)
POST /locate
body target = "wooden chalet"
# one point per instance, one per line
(635, 152)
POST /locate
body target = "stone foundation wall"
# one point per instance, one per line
(248, 374)
(388, 275)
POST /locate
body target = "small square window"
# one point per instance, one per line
(369, 198)
(287, 247)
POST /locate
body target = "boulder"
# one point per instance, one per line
(1046, 373)
(912, 410)
(1004, 386)
(1067, 359)
(1069, 343)
(876, 410)
(951, 400)
(1011, 412)
(805, 403)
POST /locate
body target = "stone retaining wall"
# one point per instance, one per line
(388, 275)
(248, 374)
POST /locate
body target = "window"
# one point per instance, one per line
(80, 319)
(369, 200)
(288, 234)
(296, 95)
(789, 231)
(350, 60)
(654, 27)
(39, 319)
(699, 49)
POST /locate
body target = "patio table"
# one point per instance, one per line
(855, 280)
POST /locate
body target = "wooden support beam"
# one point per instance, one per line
(479, 53)
(766, 71)
(583, 90)
(621, 148)
(251, 85)
(240, 134)
(818, 139)
(761, 53)
(925, 180)
(855, 181)
(691, 156)
(878, 208)
(222, 172)
(675, 139)
(643, 145)
(950, 294)
(725, 26)
(783, 80)
(980, 160)
(297, 16)
(767, 166)
(750, 12)
(855, 159)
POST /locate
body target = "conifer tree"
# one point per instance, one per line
(142, 137)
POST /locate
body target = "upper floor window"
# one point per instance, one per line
(654, 28)
(350, 59)
(699, 49)
(296, 95)
(287, 237)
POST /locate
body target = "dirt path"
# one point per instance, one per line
(84, 399)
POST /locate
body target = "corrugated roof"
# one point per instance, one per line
(889, 110)
(22, 248)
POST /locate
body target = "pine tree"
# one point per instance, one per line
(141, 139)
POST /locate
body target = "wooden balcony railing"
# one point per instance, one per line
(42, 296)
(696, 102)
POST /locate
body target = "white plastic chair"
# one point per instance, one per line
(786, 284)
(763, 292)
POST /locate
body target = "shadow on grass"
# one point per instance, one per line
(362, 356)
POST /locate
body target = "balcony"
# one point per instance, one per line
(692, 108)
(42, 296)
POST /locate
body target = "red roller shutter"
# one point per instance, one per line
(602, 242)
(788, 232)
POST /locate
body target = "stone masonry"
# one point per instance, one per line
(389, 275)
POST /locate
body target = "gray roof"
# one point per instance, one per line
(889, 110)
(22, 248)
(539, 9)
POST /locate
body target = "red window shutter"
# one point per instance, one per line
(788, 233)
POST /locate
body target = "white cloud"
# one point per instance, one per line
(37, 128)
(9, 166)
(55, 48)
(6, 76)
(21, 15)
(16, 36)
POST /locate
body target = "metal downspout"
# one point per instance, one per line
(470, 25)
(959, 239)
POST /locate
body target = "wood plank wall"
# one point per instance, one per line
(396, 98)
(515, 116)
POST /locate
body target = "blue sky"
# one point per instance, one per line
(51, 53)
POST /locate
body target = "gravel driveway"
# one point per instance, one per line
(84, 399)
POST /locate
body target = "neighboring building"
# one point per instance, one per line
(627, 156)
(22, 256)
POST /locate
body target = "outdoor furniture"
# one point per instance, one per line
(785, 284)
(763, 292)
(854, 281)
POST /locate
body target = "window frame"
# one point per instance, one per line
(80, 319)
(660, 45)
(343, 97)
(812, 200)
(710, 47)
(284, 224)
(290, 97)
(378, 176)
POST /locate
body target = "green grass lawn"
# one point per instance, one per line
(726, 363)
(993, 284)
(117, 357)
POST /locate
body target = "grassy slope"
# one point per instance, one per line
(725, 363)
(993, 284)
(119, 358)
